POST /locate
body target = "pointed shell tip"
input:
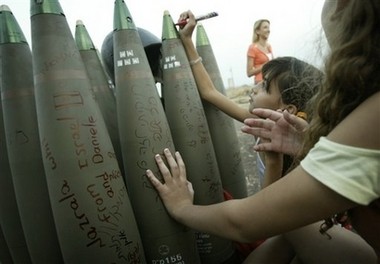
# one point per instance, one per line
(4, 8)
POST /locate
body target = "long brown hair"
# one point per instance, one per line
(352, 71)
(352, 75)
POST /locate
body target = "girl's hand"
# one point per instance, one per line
(176, 192)
(186, 31)
(282, 132)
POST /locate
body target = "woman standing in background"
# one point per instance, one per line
(260, 51)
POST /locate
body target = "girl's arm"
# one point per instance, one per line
(205, 85)
(274, 163)
(251, 69)
(293, 201)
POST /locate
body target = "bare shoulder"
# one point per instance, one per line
(361, 128)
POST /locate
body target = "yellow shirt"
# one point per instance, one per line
(350, 171)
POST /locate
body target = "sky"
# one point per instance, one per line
(295, 26)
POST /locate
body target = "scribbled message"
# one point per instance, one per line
(83, 220)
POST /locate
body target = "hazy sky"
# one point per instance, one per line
(295, 25)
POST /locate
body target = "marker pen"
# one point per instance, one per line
(206, 16)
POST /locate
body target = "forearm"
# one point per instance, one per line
(252, 70)
(217, 219)
(204, 83)
(273, 168)
(279, 208)
(256, 70)
(206, 87)
(191, 51)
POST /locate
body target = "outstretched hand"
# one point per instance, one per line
(176, 192)
(282, 132)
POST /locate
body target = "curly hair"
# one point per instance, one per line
(352, 70)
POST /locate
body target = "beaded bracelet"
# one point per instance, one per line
(193, 62)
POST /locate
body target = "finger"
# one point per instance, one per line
(163, 168)
(187, 17)
(259, 123)
(257, 132)
(298, 123)
(153, 179)
(172, 163)
(181, 166)
(292, 119)
(182, 19)
(190, 15)
(263, 147)
(183, 16)
(267, 113)
(249, 121)
(190, 21)
(190, 188)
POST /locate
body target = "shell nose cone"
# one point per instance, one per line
(10, 30)
(169, 31)
(122, 18)
(4, 8)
